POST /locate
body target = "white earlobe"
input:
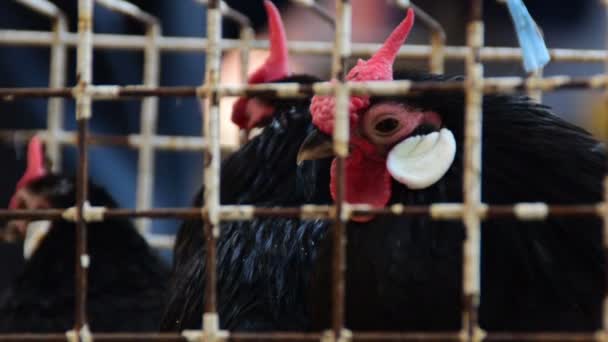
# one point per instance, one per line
(420, 161)
(34, 235)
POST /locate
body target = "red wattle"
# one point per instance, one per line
(367, 179)
(239, 113)
(259, 113)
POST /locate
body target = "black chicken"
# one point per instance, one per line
(405, 273)
(126, 279)
(263, 264)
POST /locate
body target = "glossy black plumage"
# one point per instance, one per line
(126, 279)
(263, 265)
(405, 273)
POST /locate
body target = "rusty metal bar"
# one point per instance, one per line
(536, 94)
(148, 118)
(246, 35)
(605, 246)
(148, 123)
(342, 50)
(159, 142)
(46, 214)
(605, 208)
(295, 336)
(81, 228)
(109, 337)
(438, 37)
(57, 71)
(437, 211)
(56, 105)
(211, 320)
(472, 174)
(363, 50)
(292, 90)
(83, 114)
(546, 336)
(149, 107)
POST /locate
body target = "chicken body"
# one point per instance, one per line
(126, 279)
(263, 265)
(405, 273)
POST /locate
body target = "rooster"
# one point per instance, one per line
(126, 279)
(405, 273)
(263, 264)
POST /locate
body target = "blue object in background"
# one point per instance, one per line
(534, 50)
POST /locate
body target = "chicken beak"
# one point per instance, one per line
(317, 145)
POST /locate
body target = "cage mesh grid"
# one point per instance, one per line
(471, 212)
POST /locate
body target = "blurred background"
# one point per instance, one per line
(566, 24)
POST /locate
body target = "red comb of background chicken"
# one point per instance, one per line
(275, 67)
(378, 68)
(35, 167)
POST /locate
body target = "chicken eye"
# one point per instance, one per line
(387, 126)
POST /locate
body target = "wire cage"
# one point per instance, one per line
(472, 211)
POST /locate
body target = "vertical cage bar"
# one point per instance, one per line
(437, 60)
(605, 205)
(149, 107)
(536, 94)
(56, 80)
(57, 70)
(148, 117)
(246, 36)
(341, 135)
(437, 56)
(83, 114)
(212, 169)
(472, 173)
(605, 244)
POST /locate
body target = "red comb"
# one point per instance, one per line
(380, 65)
(276, 65)
(35, 167)
(378, 68)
